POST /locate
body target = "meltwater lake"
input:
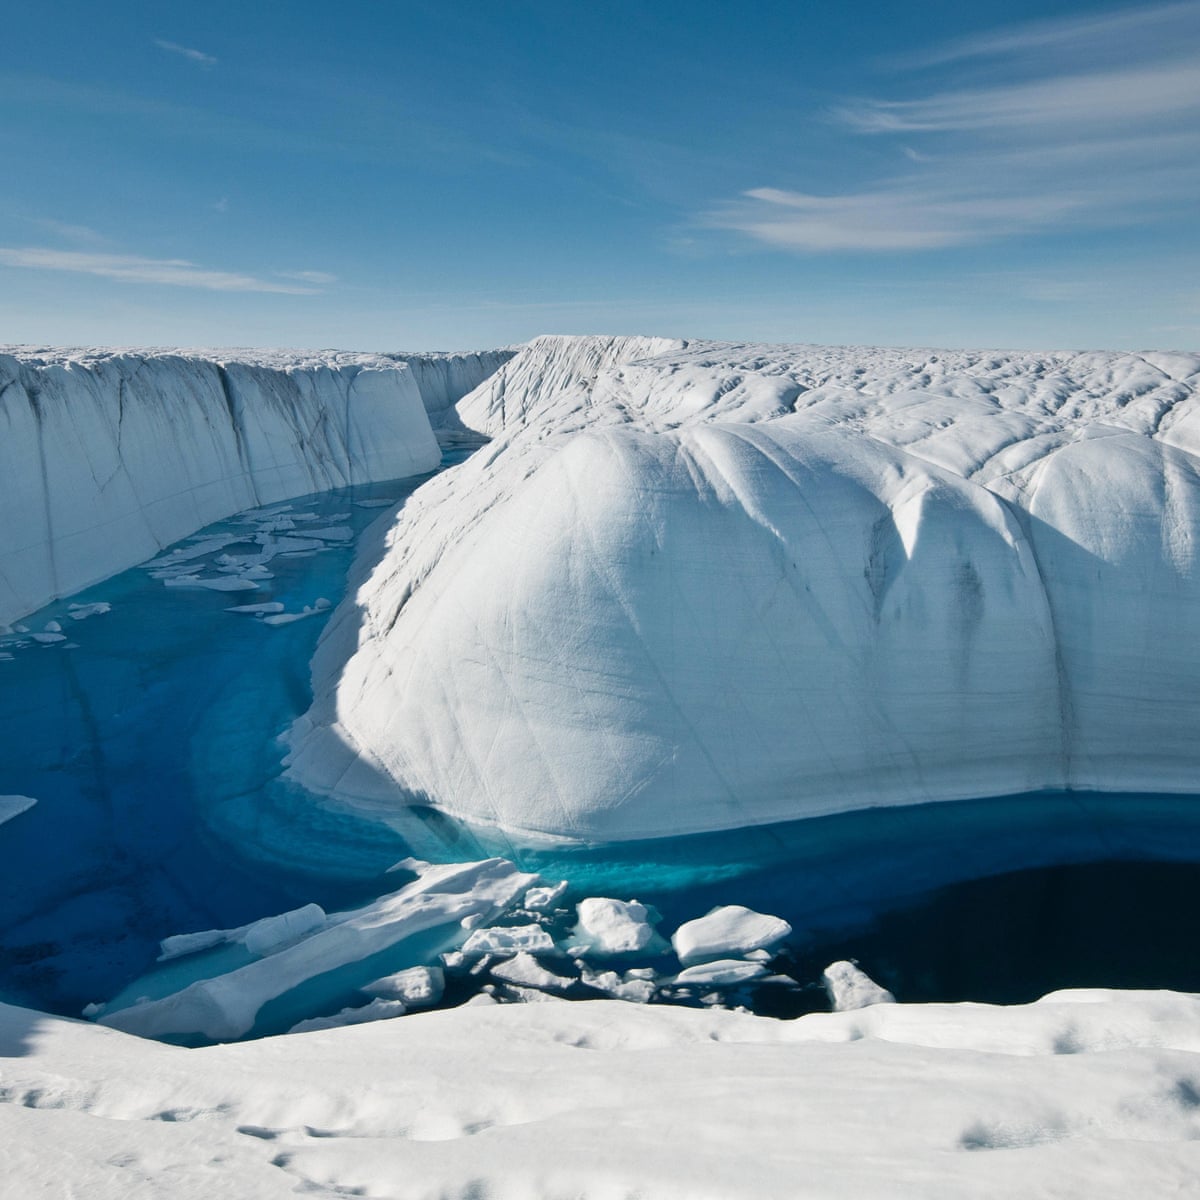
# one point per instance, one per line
(144, 717)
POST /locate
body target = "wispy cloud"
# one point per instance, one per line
(128, 268)
(1087, 32)
(81, 235)
(308, 276)
(1097, 100)
(898, 218)
(196, 56)
(1044, 146)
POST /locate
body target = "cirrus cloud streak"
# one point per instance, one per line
(129, 268)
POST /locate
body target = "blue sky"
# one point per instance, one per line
(413, 175)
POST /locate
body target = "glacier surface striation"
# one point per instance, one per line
(696, 586)
(107, 456)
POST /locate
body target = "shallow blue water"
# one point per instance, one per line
(149, 738)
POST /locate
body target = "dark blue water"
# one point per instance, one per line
(150, 739)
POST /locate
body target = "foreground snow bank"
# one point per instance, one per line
(698, 586)
(1084, 1094)
(106, 457)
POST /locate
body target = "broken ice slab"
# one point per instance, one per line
(322, 972)
(286, 618)
(223, 583)
(509, 940)
(728, 931)
(199, 549)
(14, 806)
(525, 970)
(416, 987)
(81, 612)
(725, 972)
(612, 927)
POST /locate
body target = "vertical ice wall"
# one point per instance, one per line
(107, 457)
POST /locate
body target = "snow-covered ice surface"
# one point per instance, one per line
(701, 586)
(1083, 1094)
(107, 456)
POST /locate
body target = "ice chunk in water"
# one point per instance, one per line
(415, 987)
(14, 806)
(850, 987)
(726, 932)
(509, 940)
(725, 972)
(609, 926)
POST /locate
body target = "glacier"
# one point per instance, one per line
(692, 586)
(681, 591)
(108, 456)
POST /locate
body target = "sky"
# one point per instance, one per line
(470, 173)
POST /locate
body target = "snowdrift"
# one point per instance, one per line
(1085, 1093)
(695, 586)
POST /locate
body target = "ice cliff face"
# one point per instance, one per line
(697, 586)
(106, 457)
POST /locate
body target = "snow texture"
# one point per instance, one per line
(1082, 1094)
(107, 456)
(697, 586)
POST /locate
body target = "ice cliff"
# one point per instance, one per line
(108, 456)
(694, 586)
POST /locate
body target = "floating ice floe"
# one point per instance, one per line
(540, 899)
(728, 931)
(14, 806)
(221, 583)
(612, 927)
(525, 970)
(81, 612)
(286, 618)
(509, 940)
(724, 972)
(417, 987)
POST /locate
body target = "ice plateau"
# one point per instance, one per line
(693, 586)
